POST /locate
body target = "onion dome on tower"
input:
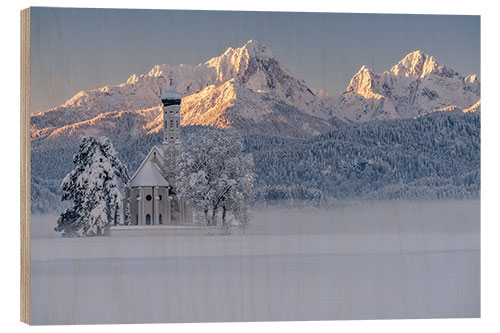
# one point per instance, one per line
(171, 97)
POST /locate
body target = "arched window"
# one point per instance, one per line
(136, 219)
(148, 219)
(171, 123)
(177, 124)
(160, 221)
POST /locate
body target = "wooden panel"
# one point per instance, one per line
(25, 167)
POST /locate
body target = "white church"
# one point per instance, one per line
(150, 195)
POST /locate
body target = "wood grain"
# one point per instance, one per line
(25, 167)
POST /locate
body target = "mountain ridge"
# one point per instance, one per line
(416, 85)
(250, 85)
(247, 88)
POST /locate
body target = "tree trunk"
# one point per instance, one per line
(214, 216)
(205, 211)
(224, 215)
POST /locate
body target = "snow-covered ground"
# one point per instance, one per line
(358, 261)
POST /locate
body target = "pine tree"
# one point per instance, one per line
(92, 186)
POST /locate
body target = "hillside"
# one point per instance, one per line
(433, 157)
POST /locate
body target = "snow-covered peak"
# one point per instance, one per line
(235, 62)
(364, 71)
(251, 49)
(363, 83)
(156, 71)
(248, 72)
(416, 85)
(471, 78)
(416, 64)
(134, 78)
(256, 49)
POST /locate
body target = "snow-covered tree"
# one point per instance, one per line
(216, 175)
(93, 187)
(236, 182)
(431, 157)
(126, 218)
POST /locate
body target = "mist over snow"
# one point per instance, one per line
(370, 260)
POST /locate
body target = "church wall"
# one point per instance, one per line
(161, 204)
(140, 206)
(134, 205)
(147, 205)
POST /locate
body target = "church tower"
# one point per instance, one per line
(171, 105)
(151, 196)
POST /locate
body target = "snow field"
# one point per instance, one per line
(363, 261)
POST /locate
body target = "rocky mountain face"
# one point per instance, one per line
(249, 89)
(245, 88)
(415, 86)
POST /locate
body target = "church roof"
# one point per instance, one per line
(157, 150)
(148, 174)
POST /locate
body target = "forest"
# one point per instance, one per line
(428, 158)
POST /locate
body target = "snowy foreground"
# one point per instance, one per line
(361, 261)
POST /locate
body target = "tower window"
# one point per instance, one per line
(136, 219)
(171, 123)
(148, 219)
(160, 219)
(177, 123)
(171, 138)
(166, 124)
(148, 197)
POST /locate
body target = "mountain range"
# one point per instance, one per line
(416, 85)
(249, 89)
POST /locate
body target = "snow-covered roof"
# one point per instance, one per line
(148, 175)
(151, 176)
(170, 95)
(156, 149)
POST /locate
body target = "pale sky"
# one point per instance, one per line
(79, 49)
